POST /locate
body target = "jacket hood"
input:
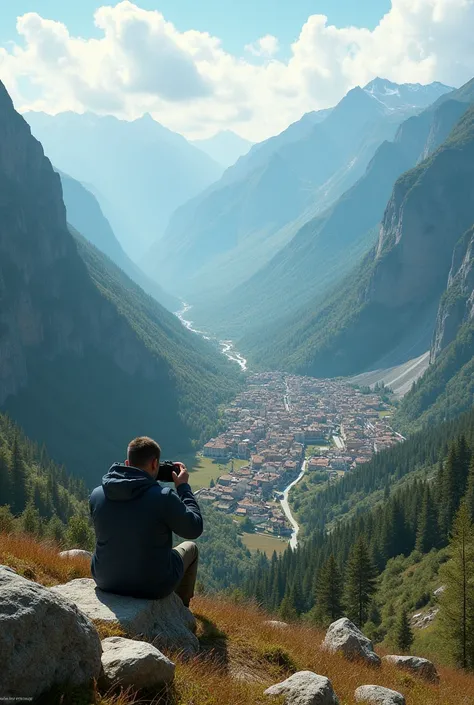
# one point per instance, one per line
(124, 483)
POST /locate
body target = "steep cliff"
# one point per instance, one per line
(86, 360)
(386, 310)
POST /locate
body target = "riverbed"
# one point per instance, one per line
(226, 346)
(286, 506)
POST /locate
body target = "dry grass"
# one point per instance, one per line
(39, 560)
(241, 655)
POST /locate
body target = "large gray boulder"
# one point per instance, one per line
(420, 666)
(376, 695)
(343, 636)
(44, 639)
(168, 623)
(135, 664)
(305, 688)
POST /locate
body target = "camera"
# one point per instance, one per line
(165, 471)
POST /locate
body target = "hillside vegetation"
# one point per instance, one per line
(240, 654)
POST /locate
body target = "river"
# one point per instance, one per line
(286, 506)
(227, 349)
(226, 346)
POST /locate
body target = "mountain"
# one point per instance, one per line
(385, 311)
(85, 215)
(87, 359)
(141, 171)
(395, 96)
(224, 147)
(221, 238)
(324, 250)
(446, 389)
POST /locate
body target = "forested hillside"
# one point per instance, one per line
(385, 311)
(326, 248)
(87, 360)
(404, 503)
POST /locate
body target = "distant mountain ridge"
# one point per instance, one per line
(222, 237)
(385, 311)
(325, 249)
(141, 171)
(224, 147)
(87, 359)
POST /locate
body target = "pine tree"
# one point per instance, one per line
(457, 601)
(79, 533)
(427, 536)
(18, 480)
(403, 632)
(469, 497)
(30, 520)
(5, 481)
(361, 576)
(329, 591)
(287, 610)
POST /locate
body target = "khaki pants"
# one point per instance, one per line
(189, 554)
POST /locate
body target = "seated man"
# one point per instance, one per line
(134, 518)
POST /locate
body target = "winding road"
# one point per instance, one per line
(286, 506)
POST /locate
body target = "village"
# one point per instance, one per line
(281, 421)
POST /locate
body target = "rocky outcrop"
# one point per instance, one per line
(376, 695)
(168, 623)
(420, 666)
(45, 640)
(344, 637)
(305, 688)
(457, 305)
(134, 664)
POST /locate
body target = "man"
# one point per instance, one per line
(134, 519)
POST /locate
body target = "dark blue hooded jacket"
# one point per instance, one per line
(134, 519)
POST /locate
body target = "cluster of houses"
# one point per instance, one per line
(270, 424)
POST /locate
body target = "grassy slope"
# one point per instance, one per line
(241, 655)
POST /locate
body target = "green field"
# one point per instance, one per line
(203, 470)
(315, 450)
(266, 544)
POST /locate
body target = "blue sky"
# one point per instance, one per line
(235, 22)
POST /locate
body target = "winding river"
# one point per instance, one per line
(286, 507)
(226, 346)
(227, 349)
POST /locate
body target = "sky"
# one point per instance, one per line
(252, 66)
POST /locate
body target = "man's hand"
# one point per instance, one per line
(183, 477)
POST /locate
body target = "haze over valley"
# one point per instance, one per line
(248, 233)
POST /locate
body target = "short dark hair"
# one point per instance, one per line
(142, 450)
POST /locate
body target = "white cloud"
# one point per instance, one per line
(142, 63)
(266, 46)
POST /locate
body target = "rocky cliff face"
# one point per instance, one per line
(86, 358)
(457, 305)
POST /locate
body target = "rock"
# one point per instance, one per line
(439, 591)
(415, 664)
(422, 620)
(305, 688)
(135, 664)
(44, 639)
(76, 553)
(168, 623)
(345, 637)
(275, 624)
(377, 695)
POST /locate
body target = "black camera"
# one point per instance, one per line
(165, 471)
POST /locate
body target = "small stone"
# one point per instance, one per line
(376, 695)
(135, 664)
(420, 666)
(344, 637)
(305, 688)
(76, 553)
(276, 625)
